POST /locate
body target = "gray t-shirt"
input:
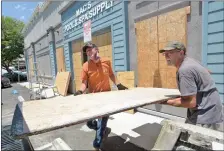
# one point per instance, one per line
(194, 79)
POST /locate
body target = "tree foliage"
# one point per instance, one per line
(12, 41)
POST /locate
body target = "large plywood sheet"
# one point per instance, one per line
(62, 82)
(147, 51)
(40, 116)
(172, 26)
(153, 34)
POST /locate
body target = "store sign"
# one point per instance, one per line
(87, 31)
(86, 12)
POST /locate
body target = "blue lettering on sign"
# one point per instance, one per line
(89, 13)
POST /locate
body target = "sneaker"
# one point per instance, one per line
(106, 133)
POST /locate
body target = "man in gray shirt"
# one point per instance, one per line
(198, 91)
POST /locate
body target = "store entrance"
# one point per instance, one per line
(104, 43)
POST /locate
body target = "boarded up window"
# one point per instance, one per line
(103, 41)
(153, 34)
(60, 59)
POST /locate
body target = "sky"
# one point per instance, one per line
(21, 10)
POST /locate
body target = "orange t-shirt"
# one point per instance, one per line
(97, 75)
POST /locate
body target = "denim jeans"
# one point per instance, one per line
(99, 126)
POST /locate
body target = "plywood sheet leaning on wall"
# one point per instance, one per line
(152, 34)
(62, 82)
(127, 78)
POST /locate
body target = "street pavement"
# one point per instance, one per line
(9, 100)
(136, 132)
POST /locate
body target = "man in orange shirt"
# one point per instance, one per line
(97, 72)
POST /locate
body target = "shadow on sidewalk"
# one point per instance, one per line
(148, 136)
(116, 143)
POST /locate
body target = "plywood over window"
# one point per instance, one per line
(153, 34)
(60, 59)
(77, 62)
(103, 41)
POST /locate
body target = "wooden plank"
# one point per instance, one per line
(174, 28)
(62, 112)
(77, 64)
(60, 59)
(127, 78)
(62, 82)
(152, 35)
(147, 50)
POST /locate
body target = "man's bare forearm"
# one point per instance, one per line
(83, 86)
(181, 102)
(114, 79)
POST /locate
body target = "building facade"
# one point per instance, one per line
(129, 33)
(43, 35)
(109, 32)
(213, 42)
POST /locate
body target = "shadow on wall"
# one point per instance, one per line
(148, 136)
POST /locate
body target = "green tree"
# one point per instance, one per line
(12, 41)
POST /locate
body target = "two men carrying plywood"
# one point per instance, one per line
(198, 91)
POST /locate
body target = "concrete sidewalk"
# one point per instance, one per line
(129, 132)
(47, 92)
(9, 100)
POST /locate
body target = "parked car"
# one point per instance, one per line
(5, 82)
(14, 76)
